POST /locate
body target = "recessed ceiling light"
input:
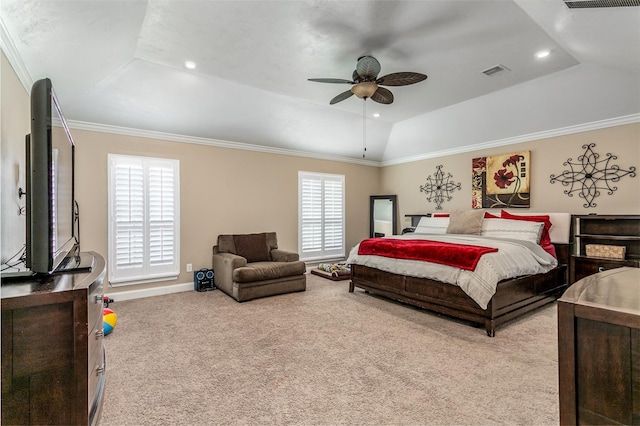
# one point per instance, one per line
(190, 65)
(376, 114)
(542, 54)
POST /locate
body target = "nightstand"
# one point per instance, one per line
(614, 230)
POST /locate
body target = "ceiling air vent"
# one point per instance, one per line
(586, 4)
(495, 70)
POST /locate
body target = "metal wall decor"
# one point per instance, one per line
(439, 188)
(590, 175)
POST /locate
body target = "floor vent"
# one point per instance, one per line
(497, 69)
(587, 4)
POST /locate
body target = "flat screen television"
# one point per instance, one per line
(50, 183)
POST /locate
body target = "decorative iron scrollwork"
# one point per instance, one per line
(438, 189)
(590, 175)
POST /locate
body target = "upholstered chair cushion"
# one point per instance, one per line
(268, 271)
(252, 247)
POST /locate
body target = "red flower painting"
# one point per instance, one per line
(513, 160)
(503, 178)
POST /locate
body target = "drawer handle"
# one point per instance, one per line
(600, 268)
(98, 298)
(99, 333)
(100, 370)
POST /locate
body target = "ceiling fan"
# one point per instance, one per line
(366, 83)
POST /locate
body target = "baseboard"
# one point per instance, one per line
(150, 292)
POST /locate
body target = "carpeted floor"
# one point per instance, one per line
(323, 357)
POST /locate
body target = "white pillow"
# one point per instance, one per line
(512, 229)
(432, 225)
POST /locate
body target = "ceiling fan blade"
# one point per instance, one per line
(368, 67)
(341, 97)
(401, 79)
(331, 80)
(382, 96)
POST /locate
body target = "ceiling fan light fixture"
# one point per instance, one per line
(364, 90)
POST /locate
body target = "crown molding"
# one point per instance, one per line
(563, 131)
(596, 125)
(127, 131)
(10, 51)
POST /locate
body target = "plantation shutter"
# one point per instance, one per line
(144, 224)
(321, 216)
(161, 215)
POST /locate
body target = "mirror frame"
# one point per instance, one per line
(394, 218)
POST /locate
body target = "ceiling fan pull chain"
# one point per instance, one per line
(364, 127)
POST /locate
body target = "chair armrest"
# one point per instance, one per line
(223, 266)
(278, 255)
(228, 260)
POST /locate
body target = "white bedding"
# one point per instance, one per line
(514, 258)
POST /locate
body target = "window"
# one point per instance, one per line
(320, 216)
(144, 219)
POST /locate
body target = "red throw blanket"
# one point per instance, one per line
(461, 256)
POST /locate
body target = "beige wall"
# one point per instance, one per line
(222, 191)
(14, 125)
(547, 158)
(231, 191)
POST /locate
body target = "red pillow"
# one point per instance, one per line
(440, 215)
(545, 239)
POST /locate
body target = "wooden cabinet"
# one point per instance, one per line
(619, 230)
(53, 360)
(599, 349)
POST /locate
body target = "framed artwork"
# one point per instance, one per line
(501, 181)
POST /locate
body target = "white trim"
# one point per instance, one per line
(105, 128)
(144, 280)
(149, 292)
(563, 131)
(10, 51)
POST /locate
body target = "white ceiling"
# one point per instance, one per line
(121, 63)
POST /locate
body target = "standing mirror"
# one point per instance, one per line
(383, 216)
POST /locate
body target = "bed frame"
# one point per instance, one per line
(513, 297)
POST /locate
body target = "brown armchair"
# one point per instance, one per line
(250, 266)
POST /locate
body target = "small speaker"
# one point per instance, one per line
(203, 280)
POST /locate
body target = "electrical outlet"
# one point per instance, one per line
(189, 267)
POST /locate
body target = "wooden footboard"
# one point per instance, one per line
(513, 297)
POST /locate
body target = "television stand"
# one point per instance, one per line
(53, 363)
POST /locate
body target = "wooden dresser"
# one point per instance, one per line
(53, 361)
(608, 230)
(599, 349)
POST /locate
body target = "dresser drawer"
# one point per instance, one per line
(94, 306)
(96, 372)
(95, 338)
(584, 266)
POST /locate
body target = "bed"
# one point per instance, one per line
(446, 289)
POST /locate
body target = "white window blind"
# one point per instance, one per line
(144, 225)
(321, 216)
